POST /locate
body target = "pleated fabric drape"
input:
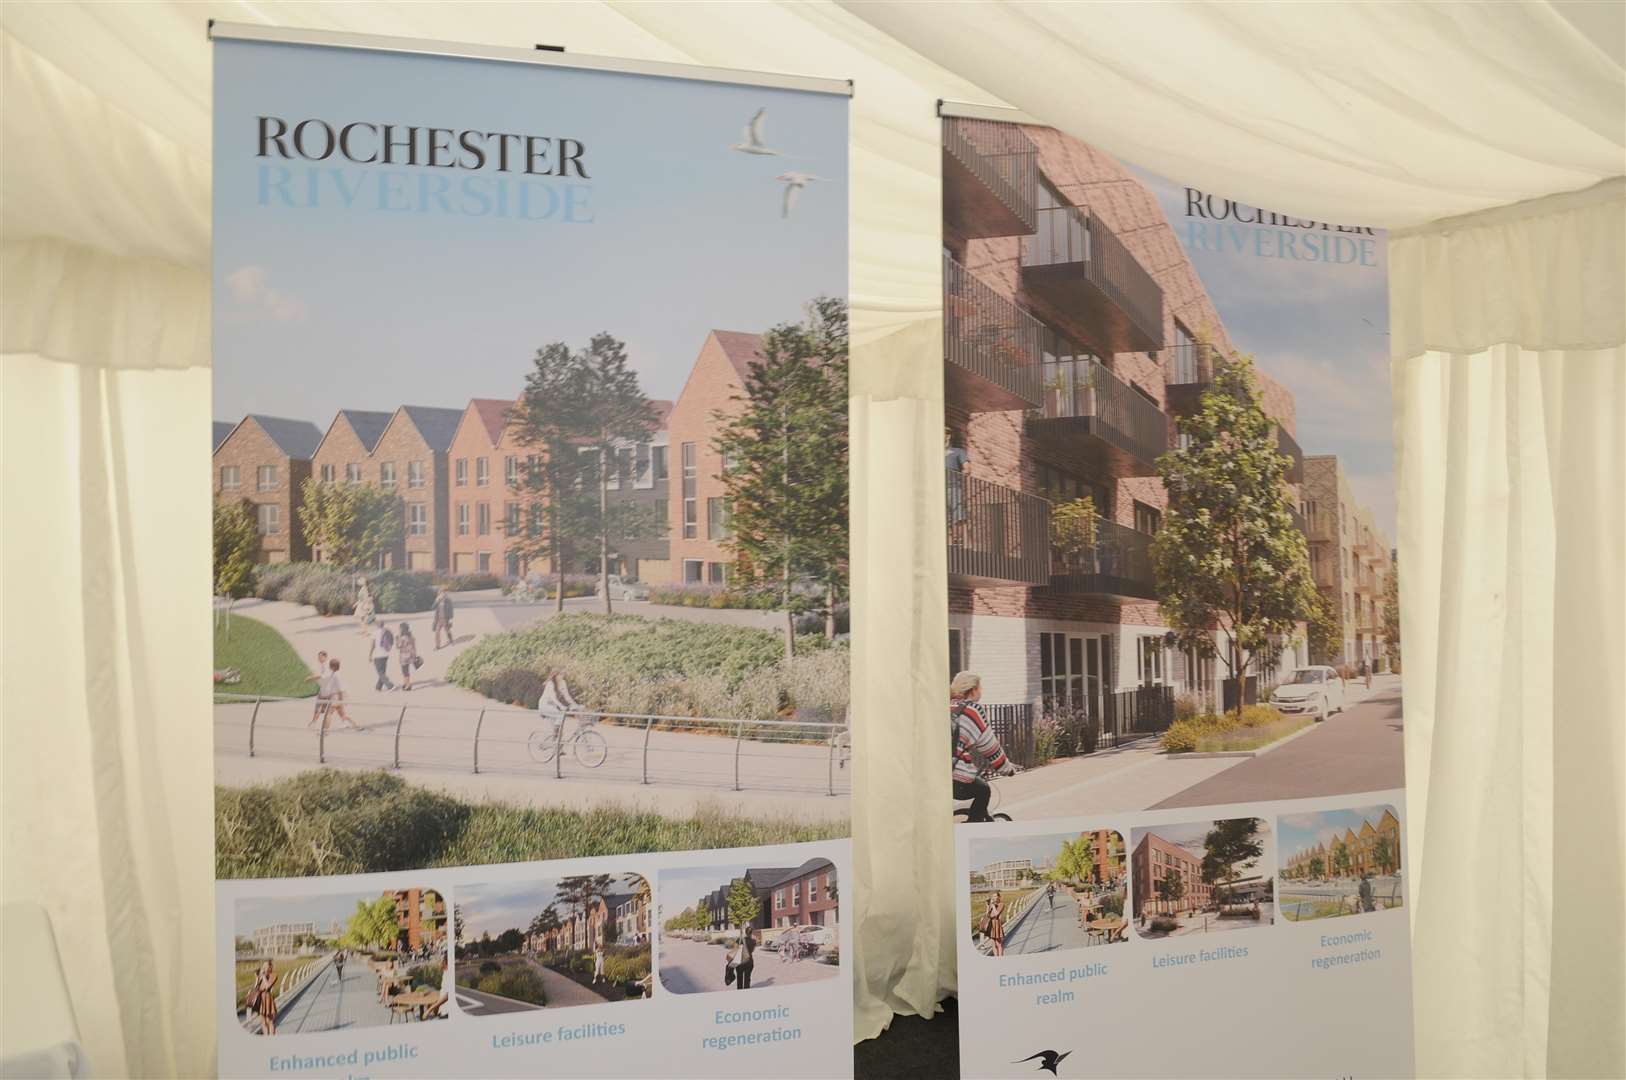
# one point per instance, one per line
(1510, 393)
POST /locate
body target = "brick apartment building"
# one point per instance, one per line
(223, 428)
(786, 896)
(1151, 863)
(641, 476)
(265, 459)
(1351, 559)
(345, 453)
(631, 914)
(1106, 857)
(1075, 333)
(420, 917)
(698, 550)
(486, 495)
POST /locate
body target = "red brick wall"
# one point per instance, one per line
(401, 444)
(248, 448)
(712, 383)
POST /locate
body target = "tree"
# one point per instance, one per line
(1324, 631)
(354, 524)
(580, 409)
(785, 448)
(1075, 862)
(1073, 529)
(1383, 853)
(237, 537)
(1172, 888)
(1340, 860)
(1230, 847)
(373, 925)
(509, 941)
(1318, 866)
(580, 892)
(744, 905)
(1228, 555)
(1391, 616)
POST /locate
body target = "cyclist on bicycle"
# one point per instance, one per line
(555, 704)
(975, 746)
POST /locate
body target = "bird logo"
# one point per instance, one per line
(753, 143)
(794, 183)
(1048, 1060)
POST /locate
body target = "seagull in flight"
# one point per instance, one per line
(753, 143)
(794, 183)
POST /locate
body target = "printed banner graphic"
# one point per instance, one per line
(1174, 719)
(530, 569)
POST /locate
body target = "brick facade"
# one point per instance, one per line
(266, 460)
(996, 628)
(410, 459)
(1153, 860)
(698, 553)
(807, 896)
(486, 482)
(1351, 559)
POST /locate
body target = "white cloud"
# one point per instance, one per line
(251, 291)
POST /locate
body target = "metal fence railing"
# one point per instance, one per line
(1000, 155)
(1013, 727)
(989, 335)
(996, 533)
(792, 755)
(1119, 563)
(1073, 235)
(1087, 388)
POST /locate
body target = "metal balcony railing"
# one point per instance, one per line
(1322, 528)
(1072, 236)
(1289, 447)
(996, 534)
(989, 337)
(1118, 564)
(1190, 363)
(1087, 389)
(1002, 157)
(1299, 521)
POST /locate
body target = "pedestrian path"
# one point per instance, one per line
(329, 1003)
(1047, 926)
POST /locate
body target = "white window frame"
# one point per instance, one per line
(482, 472)
(417, 519)
(268, 519)
(386, 474)
(463, 519)
(265, 478)
(231, 478)
(415, 474)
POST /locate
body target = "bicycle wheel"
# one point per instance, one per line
(591, 749)
(541, 745)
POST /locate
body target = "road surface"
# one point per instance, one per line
(1359, 749)
(694, 967)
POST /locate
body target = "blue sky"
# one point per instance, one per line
(321, 910)
(1300, 831)
(1037, 848)
(334, 307)
(512, 905)
(1322, 331)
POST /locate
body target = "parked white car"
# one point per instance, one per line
(1315, 690)
(622, 589)
(821, 936)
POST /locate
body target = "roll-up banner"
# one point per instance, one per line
(530, 564)
(1174, 719)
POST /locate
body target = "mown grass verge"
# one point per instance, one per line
(268, 663)
(328, 821)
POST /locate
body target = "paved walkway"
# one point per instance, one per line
(695, 967)
(1045, 927)
(561, 990)
(328, 1003)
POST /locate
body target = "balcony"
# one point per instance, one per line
(1188, 370)
(990, 179)
(1089, 284)
(991, 347)
(1119, 565)
(1367, 546)
(1299, 521)
(997, 536)
(1323, 528)
(1099, 421)
(1289, 448)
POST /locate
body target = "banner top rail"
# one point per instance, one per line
(969, 110)
(336, 39)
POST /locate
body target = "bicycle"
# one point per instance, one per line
(963, 813)
(588, 745)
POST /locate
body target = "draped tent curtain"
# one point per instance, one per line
(1418, 113)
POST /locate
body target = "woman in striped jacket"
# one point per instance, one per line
(976, 747)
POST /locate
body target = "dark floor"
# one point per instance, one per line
(913, 1048)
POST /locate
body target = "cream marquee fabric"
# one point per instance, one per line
(1379, 114)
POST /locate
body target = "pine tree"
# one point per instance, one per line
(786, 449)
(1228, 555)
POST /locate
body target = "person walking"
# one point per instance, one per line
(598, 959)
(338, 968)
(995, 922)
(366, 610)
(1366, 670)
(332, 689)
(1365, 892)
(406, 648)
(379, 653)
(319, 677)
(443, 616)
(262, 998)
(747, 960)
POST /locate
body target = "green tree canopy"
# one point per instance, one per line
(236, 535)
(373, 925)
(353, 524)
(1172, 887)
(1231, 846)
(1228, 555)
(785, 445)
(743, 903)
(1391, 615)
